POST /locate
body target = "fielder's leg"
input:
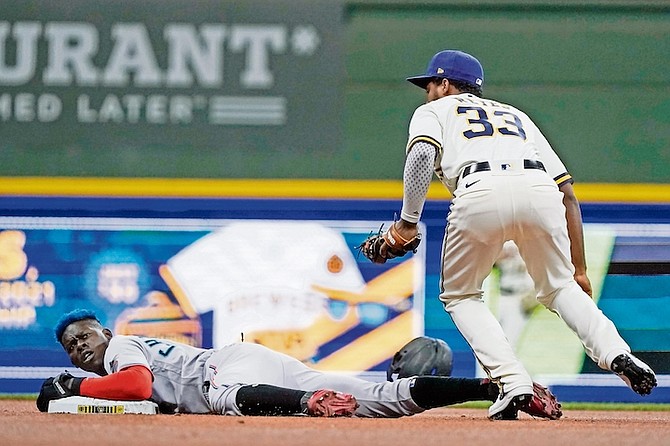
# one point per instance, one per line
(546, 252)
(249, 379)
(474, 238)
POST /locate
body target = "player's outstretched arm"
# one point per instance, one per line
(130, 384)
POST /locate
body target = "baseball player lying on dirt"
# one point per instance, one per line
(244, 379)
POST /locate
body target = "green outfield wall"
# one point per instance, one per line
(593, 76)
(322, 92)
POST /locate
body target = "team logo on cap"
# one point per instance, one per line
(478, 81)
(440, 71)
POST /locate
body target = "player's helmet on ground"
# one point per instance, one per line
(420, 357)
(452, 64)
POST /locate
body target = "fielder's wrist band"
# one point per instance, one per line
(411, 218)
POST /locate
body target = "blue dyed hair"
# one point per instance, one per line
(71, 317)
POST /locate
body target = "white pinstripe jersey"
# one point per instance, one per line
(469, 129)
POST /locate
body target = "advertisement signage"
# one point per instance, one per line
(297, 287)
(169, 77)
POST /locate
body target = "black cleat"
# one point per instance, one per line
(511, 410)
(635, 373)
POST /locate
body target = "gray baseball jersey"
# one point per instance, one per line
(181, 371)
(177, 369)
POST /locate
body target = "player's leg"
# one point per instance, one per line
(545, 248)
(249, 379)
(233, 367)
(267, 400)
(435, 391)
(375, 399)
(405, 396)
(253, 363)
(439, 391)
(473, 240)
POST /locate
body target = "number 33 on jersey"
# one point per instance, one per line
(467, 129)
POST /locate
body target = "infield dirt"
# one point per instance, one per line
(22, 424)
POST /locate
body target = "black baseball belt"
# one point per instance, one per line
(485, 166)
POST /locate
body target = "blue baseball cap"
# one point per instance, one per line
(451, 64)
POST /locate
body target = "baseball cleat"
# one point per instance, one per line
(543, 404)
(328, 403)
(507, 407)
(635, 373)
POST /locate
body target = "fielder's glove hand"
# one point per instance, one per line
(401, 238)
(58, 387)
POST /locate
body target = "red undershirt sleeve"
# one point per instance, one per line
(130, 384)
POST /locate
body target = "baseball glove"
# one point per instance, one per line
(381, 247)
(58, 387)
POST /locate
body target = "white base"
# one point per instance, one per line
(84, 405)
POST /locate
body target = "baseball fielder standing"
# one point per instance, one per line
(507, 184)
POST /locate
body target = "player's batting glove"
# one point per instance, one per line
(400, 239)
(60, 386)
